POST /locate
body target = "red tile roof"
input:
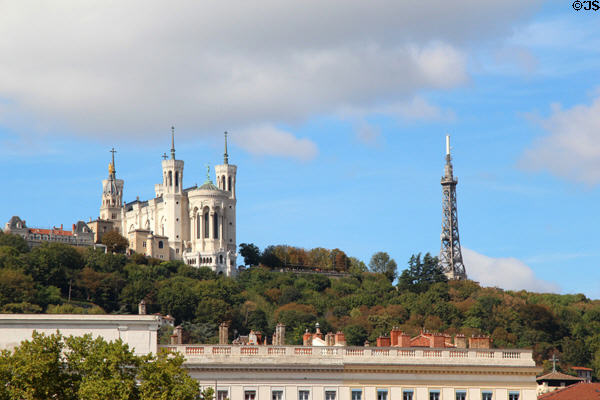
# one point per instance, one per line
(579, 391)
(581, 369)
(51, 232)
(557, 376)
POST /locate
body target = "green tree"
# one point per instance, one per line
(163, 378)
(15, 241)
(420, 275)
(251, 253)
(115, 242)
(382, 263)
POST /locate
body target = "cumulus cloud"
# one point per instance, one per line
(134, 68)
(571, 149)
(507, 273)
(268, 140)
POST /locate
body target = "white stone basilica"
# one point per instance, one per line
(196, 224)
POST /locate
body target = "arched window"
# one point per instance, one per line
(160, 244)
(176, 178)
(229, 184)
(221, 259)
(198, 226)
(223, 182)
(170, 178)
(206, 227)
(216, 226)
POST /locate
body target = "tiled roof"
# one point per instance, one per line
(59, 232)
(579, 391)
(581, 369)
(557, 376)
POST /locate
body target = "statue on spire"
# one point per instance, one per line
(226, 156)
(172, 142)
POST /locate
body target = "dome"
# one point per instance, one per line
(209, 186)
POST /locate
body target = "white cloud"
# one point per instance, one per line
(571, 149)
(268, 140)
(107, 68)
(507, 273)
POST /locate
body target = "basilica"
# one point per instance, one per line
(195, 224)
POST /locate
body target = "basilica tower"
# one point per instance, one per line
(226, 181)
(172, 193)
(112, 194)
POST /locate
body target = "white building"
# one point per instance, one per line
(195, 224)
(138, 331)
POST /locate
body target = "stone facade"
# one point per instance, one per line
(138, 331)
(80, 235)
(195, 224)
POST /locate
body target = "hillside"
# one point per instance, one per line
(362, 304)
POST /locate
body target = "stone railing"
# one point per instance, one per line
(225, 354)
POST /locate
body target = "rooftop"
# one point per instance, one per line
(579, 391)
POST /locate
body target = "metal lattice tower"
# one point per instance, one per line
(451, 259)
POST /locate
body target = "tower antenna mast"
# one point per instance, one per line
(450, 254)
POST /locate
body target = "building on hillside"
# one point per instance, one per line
(80, 235)
(555, 380)
(195, 224)
(583, 373)
(578, 391)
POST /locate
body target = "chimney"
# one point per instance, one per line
(394, 335)
(307, 339)
(318, 331)
(279, 335)
(460, 341)
(178, 333)
(142, 307)
(73, 228)
(340, 339)
(438, 341)
(384, 341)
(479, 342)
(224, 333)
(404, 340)
(367, 344)
(61, 227)
(330, 339)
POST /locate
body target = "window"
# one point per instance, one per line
(277, 395)
(216, 226)
(206, 230)
(407, 395)
(434, 395)
(513, 395)
(229, 182)
(198, 227)
(382, 394)
(356, 394)
(222, 394)
(170, 178)
(461, 395)
(176, 178)
(486, 396)
(144, 243)
(303, 394)
(330, 394)
(250, 395)
(160, 244)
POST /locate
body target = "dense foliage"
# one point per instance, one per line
(362, 304)
(55, 367)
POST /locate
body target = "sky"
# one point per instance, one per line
(336, 113)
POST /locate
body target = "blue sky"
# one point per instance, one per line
(337, 115)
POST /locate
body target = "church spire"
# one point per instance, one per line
(172, 142)
(225, 156)
(111, 167)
